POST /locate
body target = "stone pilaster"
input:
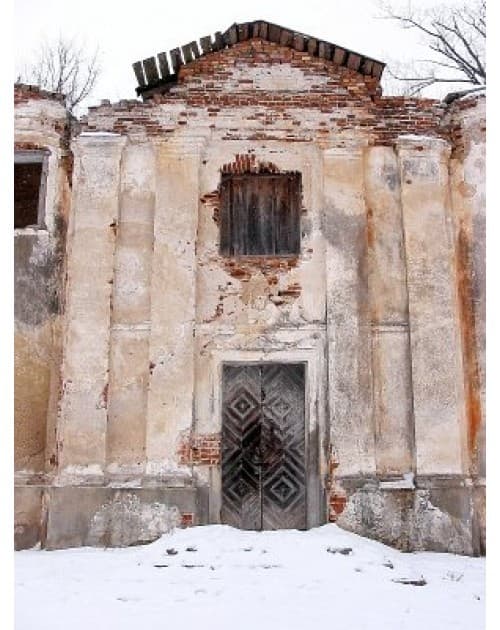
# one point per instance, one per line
(348, 317)
(131, 311)
(171, 385)
(433, 311)
(393, 406)
(91, 246)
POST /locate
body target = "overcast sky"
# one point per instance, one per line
(128, 31)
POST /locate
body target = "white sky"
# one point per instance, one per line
(126, 32)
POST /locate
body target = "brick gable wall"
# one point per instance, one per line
(243, 93)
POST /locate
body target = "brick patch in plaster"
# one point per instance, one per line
(199, 449)
(337, 497)
(187, 519)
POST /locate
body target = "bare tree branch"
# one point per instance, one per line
(456, 30)
(65, 67)
(457, 36)
(414, 84)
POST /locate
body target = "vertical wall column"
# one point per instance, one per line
(130, 320)
(392, 395)
(474, 165)
(467, 175)
(171, 387)
(433, 309)
(348, 318)
(467, 179)
(91, 245)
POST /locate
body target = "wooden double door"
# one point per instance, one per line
(263, 446)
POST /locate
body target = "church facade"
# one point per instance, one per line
(254, 297)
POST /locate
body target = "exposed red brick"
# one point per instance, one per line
(187, 519)
(336, 506)
(202, 88)
(200, 449)
(337, 498)
(24, 93)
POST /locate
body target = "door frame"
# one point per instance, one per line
(316, 433)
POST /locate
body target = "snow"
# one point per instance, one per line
(407, 482)
(217, 577)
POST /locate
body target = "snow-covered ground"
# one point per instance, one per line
(217, 577)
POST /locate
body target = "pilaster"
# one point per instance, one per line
(81, 433)
(437, 377)
(348, 317)
(171, 354)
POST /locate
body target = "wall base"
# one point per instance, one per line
(97, 516)
(444, 514)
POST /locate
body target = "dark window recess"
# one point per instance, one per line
(260, 214)
(29, 189)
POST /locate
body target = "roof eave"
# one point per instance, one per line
(159, 73)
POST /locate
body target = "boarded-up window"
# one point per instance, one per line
(29, 188)
(260, 214)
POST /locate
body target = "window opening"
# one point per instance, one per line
(30, 175)
(260, 214)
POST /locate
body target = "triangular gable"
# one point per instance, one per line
(162, 70)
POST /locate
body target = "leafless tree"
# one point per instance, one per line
(456, 36)
(65, 67)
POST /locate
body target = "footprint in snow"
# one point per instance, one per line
(454, 577)
(345, 551)
(410, 581)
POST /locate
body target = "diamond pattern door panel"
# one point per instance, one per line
(283, 445)
(263, 446)
(241, 429)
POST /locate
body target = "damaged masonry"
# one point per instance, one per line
(256, 297)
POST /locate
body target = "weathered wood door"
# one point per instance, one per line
(263, 446)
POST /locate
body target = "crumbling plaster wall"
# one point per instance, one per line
(466, 121)
(370, 304)
(225, 107)
(263, 308)
(41, 122)
(466, 124)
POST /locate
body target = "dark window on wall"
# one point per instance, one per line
(30, 174)
(260, 214)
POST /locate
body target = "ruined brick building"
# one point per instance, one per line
(254, 297)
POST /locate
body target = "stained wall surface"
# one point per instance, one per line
(379, 303)
(41, 124)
